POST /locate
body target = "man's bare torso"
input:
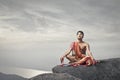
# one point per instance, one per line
(82, 47)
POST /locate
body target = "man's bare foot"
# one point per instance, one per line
(74, 64)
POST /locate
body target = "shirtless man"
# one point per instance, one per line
(79, 57)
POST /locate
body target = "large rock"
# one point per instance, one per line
(54, 76)
(10, 77)
(108, 69)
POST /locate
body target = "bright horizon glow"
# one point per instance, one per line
(23, 72)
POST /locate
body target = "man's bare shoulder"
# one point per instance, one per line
(86, 43)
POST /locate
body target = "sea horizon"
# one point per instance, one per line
(23, 72)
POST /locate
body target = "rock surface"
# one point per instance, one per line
(54, 76)
(108, 69)
(47, 76)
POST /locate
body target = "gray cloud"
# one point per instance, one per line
(43, 15)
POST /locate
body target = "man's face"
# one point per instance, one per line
(80, 35)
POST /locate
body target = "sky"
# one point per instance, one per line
(35, 33)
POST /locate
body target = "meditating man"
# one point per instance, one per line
(79, 49)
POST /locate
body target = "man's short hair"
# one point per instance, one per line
(80, 32)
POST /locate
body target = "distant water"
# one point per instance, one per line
(26, 73)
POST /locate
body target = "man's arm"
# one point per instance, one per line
(88, 51)
(90, 54)
(65, 54)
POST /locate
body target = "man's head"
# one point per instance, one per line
(80, 34)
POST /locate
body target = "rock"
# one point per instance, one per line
(10, 77)
(54, 76)
(108, 69)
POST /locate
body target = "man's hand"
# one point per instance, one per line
(94, 61)
(62, 60)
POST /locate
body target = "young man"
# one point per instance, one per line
(79, 49)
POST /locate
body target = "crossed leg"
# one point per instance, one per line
(71, 58)
(87, 60)
(75, 62)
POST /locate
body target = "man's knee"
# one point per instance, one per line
(68, 56)
(87, 57)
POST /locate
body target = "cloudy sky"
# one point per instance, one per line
(35, 33)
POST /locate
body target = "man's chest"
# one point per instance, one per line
(82, 46)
